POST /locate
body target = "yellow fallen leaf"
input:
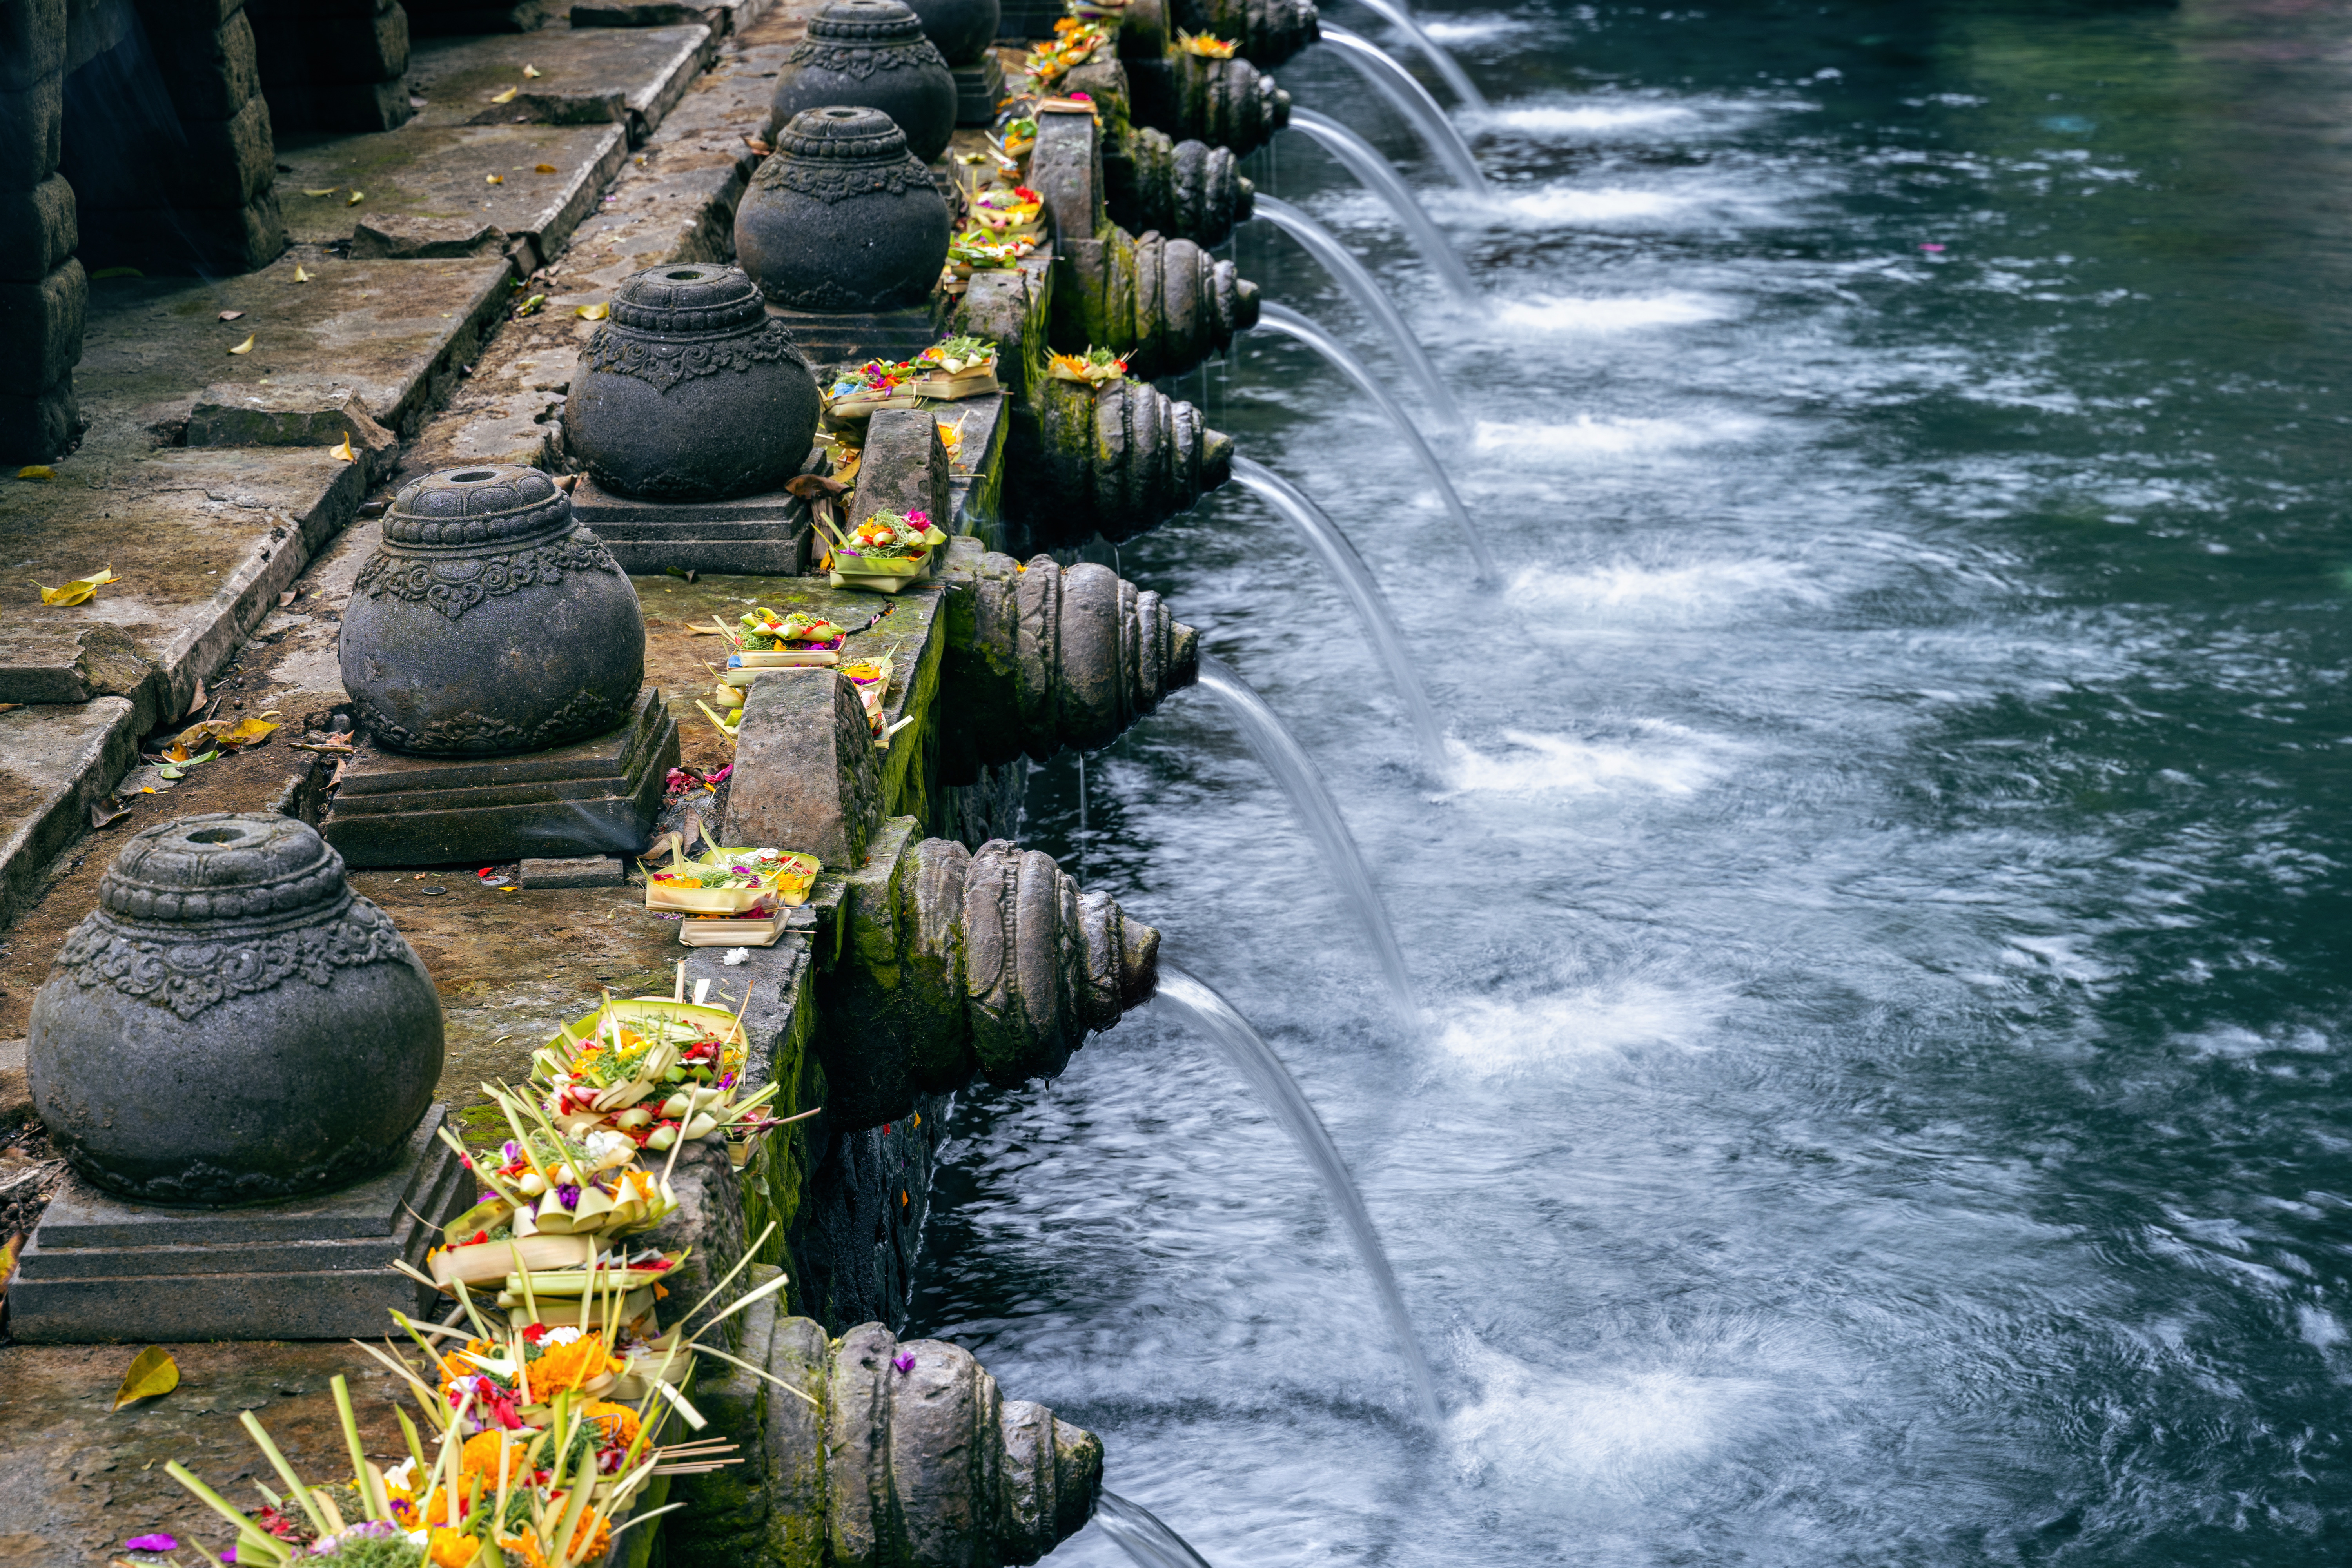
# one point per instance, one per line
(79, 590)
(595, 312)
(494, 179)
(356, 198)
(543, 168)
(344, 451)
(531, 73)
(37, 471)
(506, 96)
(300, 276)
(329, 191)
(245, 347)
(153, 1373)
(223, 734)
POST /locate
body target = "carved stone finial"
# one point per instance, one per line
(842, 217)
(871, 54)
(232, 1024)
(691, 390)
(489, 622)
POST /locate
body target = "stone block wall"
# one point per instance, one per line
(333, 65)
(167, 139)
(43, 289)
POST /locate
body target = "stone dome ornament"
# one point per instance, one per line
(691, 390)
(489, 622)
(871, 54)
(842, 217)
(232, 1024)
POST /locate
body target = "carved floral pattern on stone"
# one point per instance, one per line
(663, 365)
(860, 61)
(585, 712)
(487, 576)
(190, 976)
(831, 181)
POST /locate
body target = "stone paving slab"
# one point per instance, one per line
(394, 332)
(80, 1480)
(441, 173)
(630, 76)
(723, 17)
(673, 201)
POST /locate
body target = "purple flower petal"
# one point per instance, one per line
(229, 1554)
(568, 1196)
(157, 1542)
(904, 1363)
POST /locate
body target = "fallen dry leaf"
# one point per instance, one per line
(244, 348)
(543, 168)
(230, 315)
(79, 590)
(344, 451)
(531, 73)
(37, 471)
(106, 812)
(223, 734)
(329, 191)
(199, 701)
(300, 276)
(494, 179)
(153, 1373)
(595, 312)
(506, 96)
(354, 200)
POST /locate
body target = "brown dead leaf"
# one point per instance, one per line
(543, 169)
(153, 1373)
(197, 701)
(226, 734)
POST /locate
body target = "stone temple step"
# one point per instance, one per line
(630, 76)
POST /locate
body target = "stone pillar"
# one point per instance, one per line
(168, 141)
(43, 291)
(333, 65)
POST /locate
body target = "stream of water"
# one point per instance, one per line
(1886, 1101)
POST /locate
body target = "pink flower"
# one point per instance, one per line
(904, 1363)
(156, 1543)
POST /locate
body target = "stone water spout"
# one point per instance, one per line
(889, 1453)
(1164, 304)
(1117, 461)
(1268, 31)
(1228, 102)
(958, 962)
(1043, 656)
(1185, 188)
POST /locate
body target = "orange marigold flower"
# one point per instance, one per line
(452, 1548)
(484, 1454)
(590, 1541)
(575, 1366)
(618, 1422)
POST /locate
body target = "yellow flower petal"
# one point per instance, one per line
(494, 179)
(300, 276)
(506, 96)
(344, 451)
(356, 198)
(530, 73)
(244, 348)
(595, 312)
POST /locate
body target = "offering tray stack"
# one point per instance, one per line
(103, 1268)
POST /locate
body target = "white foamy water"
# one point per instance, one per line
(1574, 204)
(1586, 119)
(1600, 1021)
(1661, 756)
(1687, 591)
(1611, 437)
(1587, 313)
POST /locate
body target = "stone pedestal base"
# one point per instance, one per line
(853, 337)
(979, 86)
(101, 1268)
(764, 534)
(597, 796)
